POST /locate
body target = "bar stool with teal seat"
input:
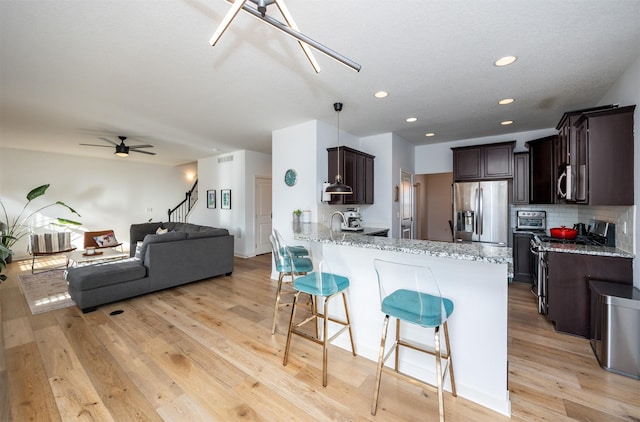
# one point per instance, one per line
(296, 251)
(323, 286)
(410, 293)
(285, 262)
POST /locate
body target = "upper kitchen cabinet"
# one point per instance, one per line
(566, 149)
(542, 170)
(602, 164)
(520, 178)
(483, 162)
(356, 169)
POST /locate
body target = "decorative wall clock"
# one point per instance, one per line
(290, 177)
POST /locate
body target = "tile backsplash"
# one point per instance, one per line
(568, 215)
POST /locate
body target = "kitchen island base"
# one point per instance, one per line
(478, 327)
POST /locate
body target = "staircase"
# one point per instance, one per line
(180, 212)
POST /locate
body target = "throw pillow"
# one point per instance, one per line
(160, 230)
(106, 240)
(138, 249)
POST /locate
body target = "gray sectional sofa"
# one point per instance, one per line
(186, 253)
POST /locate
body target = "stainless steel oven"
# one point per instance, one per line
(539, 288)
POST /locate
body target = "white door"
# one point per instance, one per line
(263, 215)
(406, 205)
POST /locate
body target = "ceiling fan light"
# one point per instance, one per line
(122, 150)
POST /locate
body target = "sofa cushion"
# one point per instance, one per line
(159, 238)
(94, 276)
(206, 232)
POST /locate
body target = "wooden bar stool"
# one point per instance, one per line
(322, 286)
(411, 294)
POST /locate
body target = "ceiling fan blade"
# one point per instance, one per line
(109, 140)
(140, 146)
(94, 145)
(142, 152)
(288, 18)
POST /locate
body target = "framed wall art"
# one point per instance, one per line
(211, 198)
(225, 198)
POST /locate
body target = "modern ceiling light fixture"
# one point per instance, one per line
(338, 187)
(290, 28)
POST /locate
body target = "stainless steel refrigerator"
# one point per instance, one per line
(481, 211)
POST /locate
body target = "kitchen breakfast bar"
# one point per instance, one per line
(473, 275)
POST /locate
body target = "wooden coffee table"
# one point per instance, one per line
(80, 258)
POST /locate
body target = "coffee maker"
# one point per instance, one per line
(352, 220)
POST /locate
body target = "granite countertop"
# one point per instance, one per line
(466, 251)
(584, 249)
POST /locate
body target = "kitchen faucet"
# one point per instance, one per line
(341, 214)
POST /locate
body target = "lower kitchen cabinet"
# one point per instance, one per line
(568, 295)
(523, 259)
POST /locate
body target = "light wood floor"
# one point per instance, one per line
(204, 352)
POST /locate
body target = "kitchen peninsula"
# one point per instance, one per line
(473, 275)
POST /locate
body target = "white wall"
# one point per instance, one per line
(626, 91)
(108, 194)
(236, 171)
(296, 148)
(380, 214)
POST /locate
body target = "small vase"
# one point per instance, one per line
(296, 218)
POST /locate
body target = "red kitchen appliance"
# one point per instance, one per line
(563, 232)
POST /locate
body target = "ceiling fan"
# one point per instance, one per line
(123, 150)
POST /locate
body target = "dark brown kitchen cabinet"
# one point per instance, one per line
(483, 162)
(542, 173)
(603, 160)
(357, 171)
(520, 178)
(568, 296)
(523, 259)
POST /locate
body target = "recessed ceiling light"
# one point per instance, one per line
(506, 101)
(381, 94)
(412, 119)
(504, 61)
(506, 122)
(430, 134)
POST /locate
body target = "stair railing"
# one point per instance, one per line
(180, 212)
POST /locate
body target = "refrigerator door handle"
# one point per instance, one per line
(476, 215)
(480, 213)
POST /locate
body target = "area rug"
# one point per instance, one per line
(46, 291)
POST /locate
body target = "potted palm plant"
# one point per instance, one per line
(4, 254)
(12, 230)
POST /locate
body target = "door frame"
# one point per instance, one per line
(407, 192)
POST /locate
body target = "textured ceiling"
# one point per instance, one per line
(74, 71)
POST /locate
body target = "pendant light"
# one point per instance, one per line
(338, 187)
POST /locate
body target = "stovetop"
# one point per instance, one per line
(590, 240)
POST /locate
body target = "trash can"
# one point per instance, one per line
(615, 327)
